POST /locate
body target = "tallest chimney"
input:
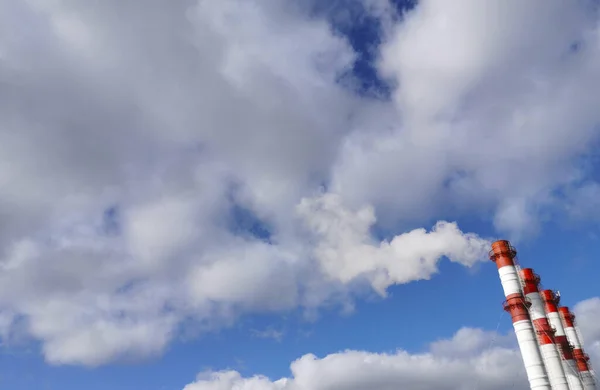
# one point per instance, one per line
(503, 255)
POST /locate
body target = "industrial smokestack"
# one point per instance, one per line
(551, 302)
(587, 377)
(545, 333)
(503, 255)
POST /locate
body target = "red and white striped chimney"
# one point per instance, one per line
(551, 302)
(545, 333)
(503, 255)
(581, 358)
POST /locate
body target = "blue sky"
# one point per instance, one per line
(132, 261)
(453, 299)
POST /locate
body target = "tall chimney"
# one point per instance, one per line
(503, 255)
(551, 302)
(545, 333)
(581, 358)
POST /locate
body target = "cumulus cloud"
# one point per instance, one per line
(485, 97)
(587, 313)
(129, 144)
(471, 359)
(486, 368)
(92, 298)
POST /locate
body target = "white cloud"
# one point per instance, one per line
(472, 358)
(485, 102)
(91, 298)
(494, 368)
(587, 314)
(171, 115)
(469, 342)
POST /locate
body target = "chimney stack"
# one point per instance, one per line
(503, 255)
(551, 302)
(568, 320)
(545, 334)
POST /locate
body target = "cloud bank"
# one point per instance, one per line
(197, 161)
(471, 359)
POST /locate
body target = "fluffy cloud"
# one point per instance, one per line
(587, 313)
(484, 95)
(92, 298)
(472, 358)
(130, 146)
(494, 368)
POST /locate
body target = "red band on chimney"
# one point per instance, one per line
(582, 360)
(567, 316)
(502, 253)
(550, 301)
(517, 306)
(544, 331)
(565, 347)
(531, 281)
